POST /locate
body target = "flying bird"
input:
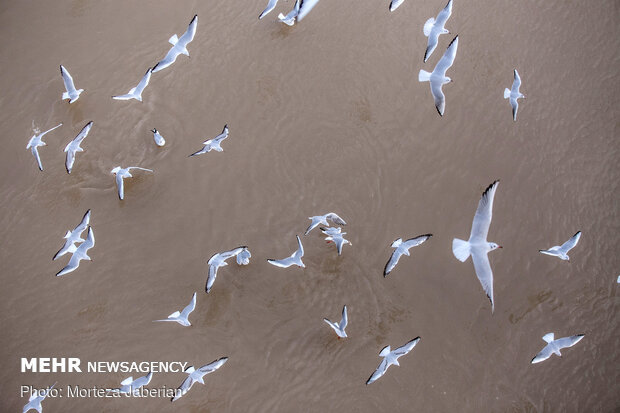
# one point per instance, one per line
(213, 144)
(322, 220)
(335, 235)
(438, 77)
(294, 259)
(72, 94)
(514, 94)
(219, 260)
(79, 254)
(179, 46)
(124, 173)
(74, 146)
(477, 246)
(131, 386)
(36, 141)
(391, 358)
(182, 317)
(434, 27)
(34, 402)
(270, 6)
(196, 376)
(402, 247)
(561, 251)
(339, 328)
(136, 92)
(74, 236)
(554, 346)
(159, 140)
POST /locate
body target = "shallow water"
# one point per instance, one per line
(327, 115)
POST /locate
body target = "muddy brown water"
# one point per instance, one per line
(327, 115)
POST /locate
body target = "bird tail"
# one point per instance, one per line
(428, 26)
(424, 76)
(460, 249)
(65, 95)
(506, 93)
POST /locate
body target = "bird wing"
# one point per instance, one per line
(406, 348)
(315, 223)
(516, 83)
(414, 242)
(389, 266)
(482, 266)
(190, 307)
(270, 6)
(189, 34)
(68, 80)
(214, 365)
(49, 130)
(35, 152)
(335, 219)
(448, 57)
(120, 185)
(482, 219)
(345, 318)
(284, 263)
(568, 245)
(444, 14)
(184, 388)
(438, 96)
(300, 249)
(543, 355)
(380, 371)
(568, 341)
(304, 8)
(83, 133)
(211, 278)
(144, 82)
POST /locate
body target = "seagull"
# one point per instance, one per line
(289, 19)
(514, 94)
(391, 358)
(136, 92)
(195, 376)
(74, 146)
(294, 259)
(243, 258)
(477, 244)
(36, 141)
(159, 140)
(554, 346)
(339, 328)
(438, 77)
(434, 27)
(124, 173)
(561, 251)
(34, 402)
(335, 235)
(304, 8)
(129, 385)
(179, 46)
(403, 248)
(182, 317)
(213, 144)
(270, 6)
(74, 236)
(322, 220)
(219, 260)
(79, 254)
(395, 3)
(72, 94)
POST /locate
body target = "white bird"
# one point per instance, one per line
(36, 141)
(304, 8)
(395, 3)
(136, 92)
(72, 94)
(270, 6)
(182, 317)
(289, 19)
(438, 77)
(322, 220)
(243, 258)
(514, 94)
(477, 246)
(79, 254)
(196, 376)
(219, 260)
(434, 27)
(179, 46)
(561, 251)
(618, 281)
(124, 173)
(294, 259)
(213, 144)
(74, 236)
(335, 235)
(554, 346)
(391, 358)
(159, 140)
(402, 247)
(129, 385)
(34, 402)
(74, 146)
(339, 328)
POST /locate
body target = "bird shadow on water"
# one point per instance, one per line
(533, 301)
